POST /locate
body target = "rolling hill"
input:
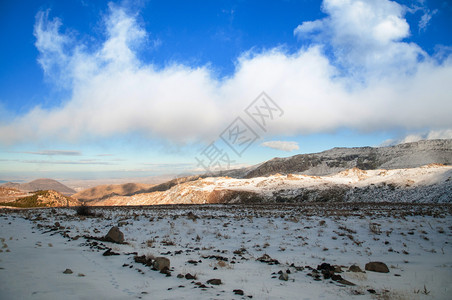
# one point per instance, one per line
(41, 185)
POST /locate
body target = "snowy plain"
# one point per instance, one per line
(224, 242)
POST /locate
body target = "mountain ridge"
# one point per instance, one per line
(408, 155)
(41, 184)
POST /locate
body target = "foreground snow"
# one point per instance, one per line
(415, 241)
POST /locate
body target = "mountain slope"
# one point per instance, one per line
(409, 155)
(427, 184)
(47, 198)
(105, 191)
(41, 185)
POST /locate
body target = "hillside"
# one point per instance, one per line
(41, 185)
(11, 194)
(409, 155)
(427, 184)
(47, 198)
(105, 191)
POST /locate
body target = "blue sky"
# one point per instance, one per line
(94, 89)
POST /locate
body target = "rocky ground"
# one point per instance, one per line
(311, 251)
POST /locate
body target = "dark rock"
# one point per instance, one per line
(115, 235)
(346, 282)
(336, 277)
(189, 276)
(377, 266)
(268, 260)
(109, 253)
(166, 271)
(214, 281)
(238, 292)
(325, 266)
(372, 291)
(143, 260)
(68, 271)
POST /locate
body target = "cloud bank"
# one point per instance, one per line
(373, 81)
(281, 145)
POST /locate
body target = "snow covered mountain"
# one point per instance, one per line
(427, 184)
(408, 155)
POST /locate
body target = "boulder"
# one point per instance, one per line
(355, 268)
(161, 263)
(377, 266)
(214, 281)
(115, 235)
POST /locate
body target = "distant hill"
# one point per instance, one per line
(409, 155)
(11, 185)
(41, 185)
(11, 194)
(42, 199)
(104, 191)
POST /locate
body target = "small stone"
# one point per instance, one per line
(214, 281)
(109, 253)
(238, 292)
(189, 276)
(68, 271)
(81, 275)
(372, 291)
(355, 268)
(377, 266)
(284, 276)
(346, 282)
(180, 276)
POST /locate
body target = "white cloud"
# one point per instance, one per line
(281, 145)
(425, 19)
(113, 92)
(56, 152)
(366, 35)
(431, 135)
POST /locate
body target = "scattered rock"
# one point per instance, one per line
(192, 216)
(166, 271)
(284, 276)
(193, 262)
(345, 282)
(326, 269)
(109, 253)
(115, 235)
(372, 291)
(355, 268)
(214, 281)
(238, 292)
(377, 266)
(160, 263)
(189, 276)
(68, 271)
(268, 260)
(143, 260)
